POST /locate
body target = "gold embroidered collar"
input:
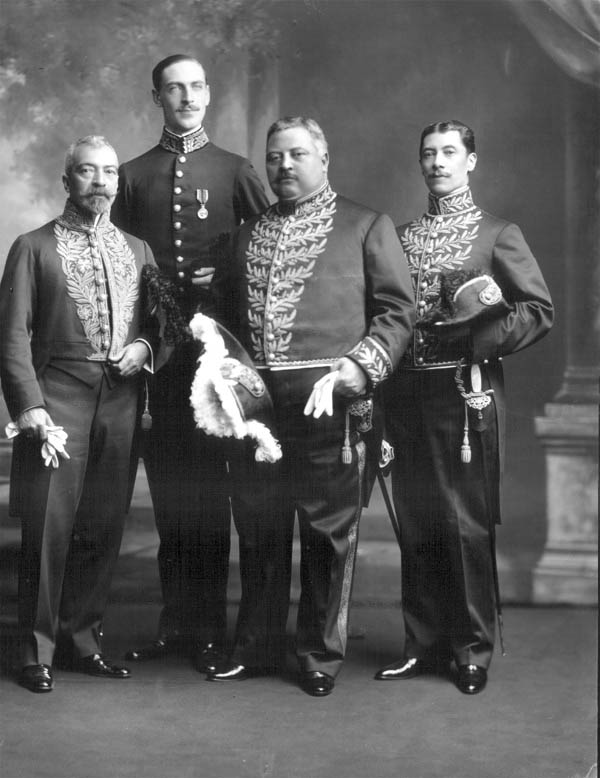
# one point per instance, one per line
(74, 219)
(456, 202)
(307, 204)
(183, 144)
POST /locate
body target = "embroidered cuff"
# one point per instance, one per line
(373, 359)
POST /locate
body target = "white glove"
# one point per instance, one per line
(321, 397)
(54, 446)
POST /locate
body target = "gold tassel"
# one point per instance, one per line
(146, 423)
(346, 450)
(465, 449)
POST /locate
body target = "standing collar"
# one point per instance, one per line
(183, 144)
(74, 219)
(306, 204)
(455, 202)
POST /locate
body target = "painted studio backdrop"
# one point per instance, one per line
(373, 73)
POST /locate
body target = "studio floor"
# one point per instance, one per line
(536, 719)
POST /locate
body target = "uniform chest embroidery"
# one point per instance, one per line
(101, 279)
(280, 258)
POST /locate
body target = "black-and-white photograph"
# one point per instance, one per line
(299, 388)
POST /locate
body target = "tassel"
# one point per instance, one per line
(465, 449)
(346, 450)
(146, 423)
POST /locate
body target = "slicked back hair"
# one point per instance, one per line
(310, 125)
(467, 135)
(96, 141)
(171, 60)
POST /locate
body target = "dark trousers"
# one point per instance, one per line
(73, 516)
(187, 475)
(327, 496)
(446, 512)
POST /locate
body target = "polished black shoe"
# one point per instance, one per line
(402, 669)
(317, 684)
(37, 678)
(471, 679)
(230, 672)
(208, 658)
(157, 649)
(95, 664)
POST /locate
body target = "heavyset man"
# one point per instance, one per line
(74, 335)
(319, 294)
(180, 196)
(480, 296)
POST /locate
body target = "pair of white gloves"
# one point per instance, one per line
(345, 376)
(53, 443)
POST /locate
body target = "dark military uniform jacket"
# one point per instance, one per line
(454, 234)
(180, 196)
(70, 297)
(316, 280)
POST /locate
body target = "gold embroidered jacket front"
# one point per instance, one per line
(320, 279)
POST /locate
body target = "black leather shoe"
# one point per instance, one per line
(317, 684)
(37, 678)
(208, 658)
(471, 679)
(95, 664)
(229, 672)
(402, 669)
(157, 649)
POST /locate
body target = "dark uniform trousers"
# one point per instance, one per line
(187, 475)
(73, 516)
(446, 513)
(327, 495)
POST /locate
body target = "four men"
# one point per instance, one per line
(74, 335)
(180, 197)
(480, 296)
(318, 290)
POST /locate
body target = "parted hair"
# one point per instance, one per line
(171, 60)
(467, 135)
(310, 125)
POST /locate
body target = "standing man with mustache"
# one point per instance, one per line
(480, 296)
(180, 196)
(319, 294)
(74, 335)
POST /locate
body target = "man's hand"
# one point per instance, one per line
(203, 276)
(345, 378)
(34, 422)
(351, 380)
(133, 358)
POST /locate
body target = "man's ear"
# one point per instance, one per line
(325, 161)
(472, 161)
(156, 98)
(65, 181)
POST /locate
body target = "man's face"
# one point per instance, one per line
(296, 165)
(183, 96)
(445, 162)
(93, 181)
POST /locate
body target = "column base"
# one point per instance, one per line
(568, 569)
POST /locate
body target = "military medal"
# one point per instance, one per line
(202, 197)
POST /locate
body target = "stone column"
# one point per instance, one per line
(568, 569)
